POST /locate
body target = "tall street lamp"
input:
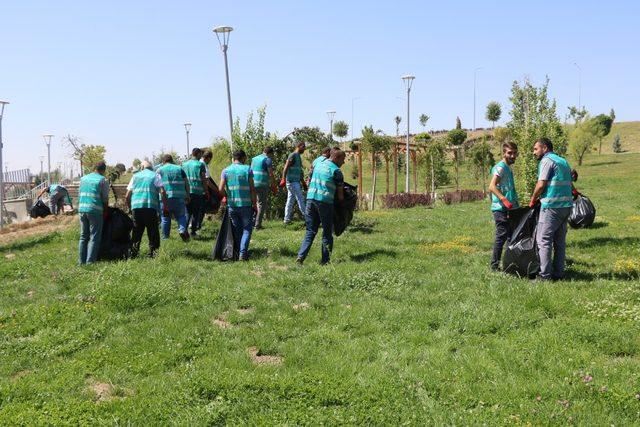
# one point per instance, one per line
(2, 104)
(47, 140)
(41, 170)
(352, 101)
(475, 72)
(222, 33)
(331, 114)
(187, 129)
(408, 82)
(579, 84)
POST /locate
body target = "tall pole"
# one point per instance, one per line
(41, 170)
(408, 80)
(187, 129)
(222, 33)
(2, 104)
(330, 115)
(579, 84)
(475, 72)
(352, 101)
(47, 140)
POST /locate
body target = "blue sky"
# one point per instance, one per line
(128, 74)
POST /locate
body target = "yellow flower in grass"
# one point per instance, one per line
(626, 267)
(458, 244)
(633, 218)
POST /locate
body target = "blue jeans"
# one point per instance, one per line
(195, 206)
(294, 193)
(242, 225)
(318, 213)
(178, 211)
(90, 237)
(551, 235)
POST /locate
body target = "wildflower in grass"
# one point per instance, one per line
(587, 378)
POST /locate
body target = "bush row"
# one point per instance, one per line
(462, 196)
(406, 200)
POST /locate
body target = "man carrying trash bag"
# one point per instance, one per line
(58, 195)
(93, 201)
(503, 199)
(176, 185)
(236, 184)
(554, 191)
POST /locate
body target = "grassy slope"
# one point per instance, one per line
(406, 325)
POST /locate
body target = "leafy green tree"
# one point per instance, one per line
(494, 111)
(433, 157)
(456, 138)
(313, 137)
(458, 123)
(398, 119)
(612, 114)
(602, 124)
(340, 129)
(582, 139)
(375, 143)
(423, 120)
(482, 159)
(90, 155)
(501, 135)
(533, 116)
(136, 163)
(577, 114)
(617, 145)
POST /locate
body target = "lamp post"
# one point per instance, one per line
(475, 72)
(352, 101)
(187, 129)
(579, 84)
(222, 33)
(408, 82)
(330, 115)
(41, 170)
(47, 140)
(2, 104)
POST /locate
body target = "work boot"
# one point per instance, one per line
(184, 236)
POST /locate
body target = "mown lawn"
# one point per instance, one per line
(407, 325)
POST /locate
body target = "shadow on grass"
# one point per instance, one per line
(20, 246)
(606, 241)
(361, 228)
(367, 256)
(612, 162)
(287, 252)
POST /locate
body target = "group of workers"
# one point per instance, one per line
(181, 192)
(554, 191)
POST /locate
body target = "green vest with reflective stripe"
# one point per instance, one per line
(90, 199)
(506, 186)
(320, 159)
(172, 181)
(322, 187)
(237, 188)
(260, 176)
(557, 193)
(144, 193)
(294, 173)
(192, 169)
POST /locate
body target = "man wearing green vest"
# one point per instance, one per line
(93, 201)
(553, 190)
(176, 185)
(58, 195)
(503, 198)
(326, 153)
(293, 178)
(195, 171)
(236, 184)
(326, 186)
(263, 179)
(143, 199)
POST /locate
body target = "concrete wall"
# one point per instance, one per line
(18, 210)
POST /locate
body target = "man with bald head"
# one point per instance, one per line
(325, 188)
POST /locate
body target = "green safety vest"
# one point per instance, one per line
(237, 187)
(506, 186)
(172, 181)
(193, 168)
(320, 159)
(322, 187)
(90, 198)
(144, 193)
(294, 173)
(557, 193)
(260, 176)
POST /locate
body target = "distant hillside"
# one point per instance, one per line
(629, 136)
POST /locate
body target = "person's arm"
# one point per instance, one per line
(203, 179)
(105, 194)
(44, 190)
(493, 187)
(544, 176)
(540, 186)
(187, 187)
(286, 169)
(223, 184)
(127, 198)
(338, 178)
(252, 189)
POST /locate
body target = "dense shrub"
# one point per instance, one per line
(462, 196)
(406, 200)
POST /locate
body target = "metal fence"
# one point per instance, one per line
(16, 183)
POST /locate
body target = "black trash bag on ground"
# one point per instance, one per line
(521, 256)
(583, 213)
(116, 236)
(225, 248)
(213, 204)
(39, 210)
(343, 212)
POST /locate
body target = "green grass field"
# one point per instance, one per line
(406, 326)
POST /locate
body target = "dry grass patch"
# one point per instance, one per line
(245, 310)
(221, 321)
(263, 359)
(301, 306)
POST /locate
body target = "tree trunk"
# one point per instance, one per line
(375, 178)
(386, 164)
(433, 177)
(415, 171)
(360, 189)
(395, 168)
(456, 155)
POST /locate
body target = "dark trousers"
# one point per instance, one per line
(145, 218)
(318, 213)
(503, 234)
(194, 208)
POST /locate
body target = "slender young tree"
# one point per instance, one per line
(423, 120)
(494, 111)
(398, 119)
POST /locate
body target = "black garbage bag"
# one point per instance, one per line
(583, 213)
(521, 256)
(343, 212)
(226, 248)
(213, 204)
(39, 210)
(116, 236)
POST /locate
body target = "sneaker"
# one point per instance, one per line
(286, 223)
(185, 236)
(300, 261)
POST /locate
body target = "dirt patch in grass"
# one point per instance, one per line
(35, 227)
(245, 310)
(221, 321)
(105, 392)
(301, 306)
(263, 359)
(278, 267)
(20, 374)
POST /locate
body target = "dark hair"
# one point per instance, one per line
(268, 150)
(546, 142)
(300, 144)
(207, 153)
(196, 152)
(101, 166)
(239, 155)
(167, 158)
(509, 145)
(327, 150)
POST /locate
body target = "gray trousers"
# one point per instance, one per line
(56, 201)
(262, 198)
(551, 237)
